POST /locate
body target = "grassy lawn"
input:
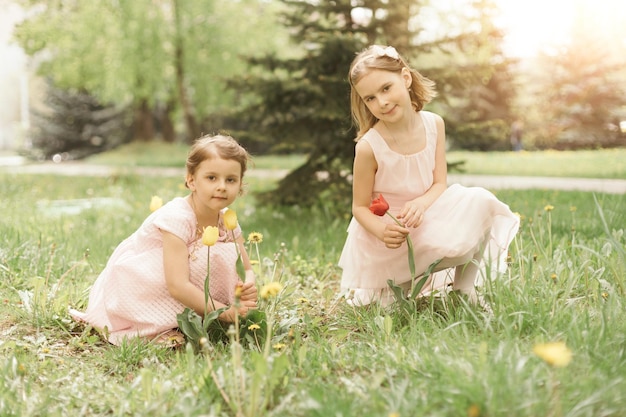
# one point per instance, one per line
(606, 163)
(566, 283)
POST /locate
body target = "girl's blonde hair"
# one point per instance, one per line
(218, 146)
(386, 58)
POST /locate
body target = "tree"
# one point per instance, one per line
(76, 124)
(303, 104)
(582, 92)
(573, 92)
(164, 58)
(477, 82)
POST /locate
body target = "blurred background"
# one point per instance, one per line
(78, 78)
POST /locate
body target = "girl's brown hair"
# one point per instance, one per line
(218, 146)
(386, 58)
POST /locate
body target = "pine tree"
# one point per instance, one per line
(76, 125)
(304, 106)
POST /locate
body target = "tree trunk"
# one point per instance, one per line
(167, 127)
(193, 130)
(143, 124)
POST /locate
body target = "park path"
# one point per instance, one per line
(611, 186)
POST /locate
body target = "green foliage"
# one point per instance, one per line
(575, 91)
(76, 125)
(490, 135)
(165, 58)
(303, 101)
(566, 282)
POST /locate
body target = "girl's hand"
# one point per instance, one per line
(412, 214)
(394, 236)
(248, 292)
(229, 315)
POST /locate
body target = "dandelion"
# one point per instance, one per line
(553, 277)
(279, 346)
(255, 237)
(555, 354)
(303, 300)
(548, 207)
(254, 327)
(473, 411)
(572, 208)
(605, 295)
(270, 290)
(155, 203)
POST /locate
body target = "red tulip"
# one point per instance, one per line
(379, 206)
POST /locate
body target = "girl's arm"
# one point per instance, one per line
(176, 267)
(413, 211)
(364, 171)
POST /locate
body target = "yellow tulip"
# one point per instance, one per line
(230, 219)
(554, 353)
(156, 203)
(210, 235)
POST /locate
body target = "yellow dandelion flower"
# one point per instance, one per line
(255, 237)
(254, 327)
(605, 295)
(155, 203)
(572, 208)
(553, 276)
(279, 346)
(554, 353)
(270, 290)
(303, 300)
(254, 262)
(548, 207)
(473, 411)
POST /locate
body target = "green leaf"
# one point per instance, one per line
(240, 269)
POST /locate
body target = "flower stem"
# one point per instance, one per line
(410, 248)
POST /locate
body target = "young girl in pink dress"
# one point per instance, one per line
(400, 153)
(161, 268)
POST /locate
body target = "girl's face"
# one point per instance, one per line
(216, 182)
(386, 93)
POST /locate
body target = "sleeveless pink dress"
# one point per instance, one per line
(458, 224)
(130, 297)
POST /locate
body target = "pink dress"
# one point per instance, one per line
(460, 222)
(130, 297)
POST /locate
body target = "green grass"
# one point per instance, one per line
(604, 163)
(566, 282)
(163, 154)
